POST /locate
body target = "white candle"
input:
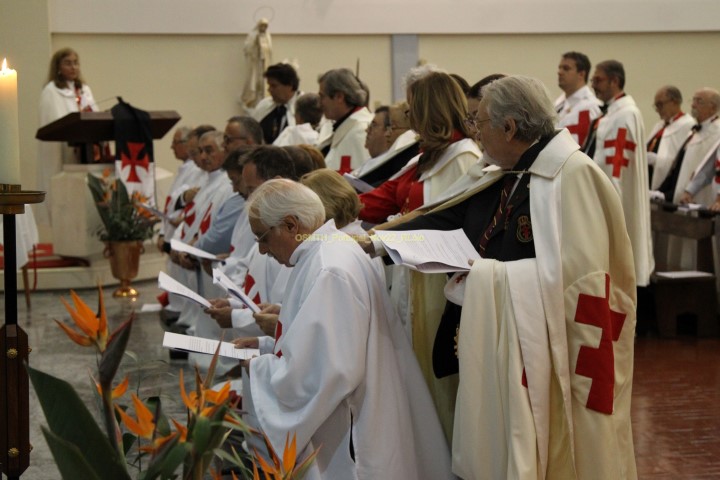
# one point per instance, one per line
(9, 130)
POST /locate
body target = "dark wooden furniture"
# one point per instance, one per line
(685, 293)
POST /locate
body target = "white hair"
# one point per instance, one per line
(215, 135)
(416, 73)
(279, 198)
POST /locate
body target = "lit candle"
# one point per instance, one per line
(9, 130)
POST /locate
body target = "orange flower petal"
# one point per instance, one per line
(75, 336)
(129, 422)
(218, 397)
(81, 322)
(183, 394)
(289, 454)
(122, 387)
(84, 311)
(182, 429)
(144, 415)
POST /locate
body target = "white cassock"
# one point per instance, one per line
(55, 103)
(345, 369)
(401, 143)
(577, 112)
(188, 176)
(671, 140)
(620, 153)
(303, 134)
(267, 105)
(198, 216)
(682, 253)
(347, 144)
(546, 344)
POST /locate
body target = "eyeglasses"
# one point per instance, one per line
(261, 238)
(473, 122)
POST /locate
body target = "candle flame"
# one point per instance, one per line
(4, 64)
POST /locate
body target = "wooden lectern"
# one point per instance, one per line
(75, 235)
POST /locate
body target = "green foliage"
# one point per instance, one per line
(122, 219)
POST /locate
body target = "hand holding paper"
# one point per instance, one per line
(429, 251)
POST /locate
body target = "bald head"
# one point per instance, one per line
(705, 104)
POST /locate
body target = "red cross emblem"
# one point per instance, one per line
(582, 128)
(134, 161)
(599, 363)
(345, 164)
(248, 287)
(205, 222)
(621, 143)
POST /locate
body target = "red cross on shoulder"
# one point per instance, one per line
(598, 363)
(621, 144)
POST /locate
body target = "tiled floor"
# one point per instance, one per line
(675, 399)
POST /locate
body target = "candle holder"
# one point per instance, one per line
(14, 387)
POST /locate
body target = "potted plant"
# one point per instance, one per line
(125, 227)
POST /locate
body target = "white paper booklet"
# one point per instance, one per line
(169, 284)
(429, 251)
(219, 278)
(206, 345)
(152, 210)
(179, 246)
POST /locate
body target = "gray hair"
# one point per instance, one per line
(525, 100)
(279, 198)
(184, 133)
(343, 80)
(714, 96)
(416, 73)
(308, 108)
(215, 135)
(251, 127)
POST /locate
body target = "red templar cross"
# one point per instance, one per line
(134, 160)
(599, 363)
(582, 128)
(621, 144)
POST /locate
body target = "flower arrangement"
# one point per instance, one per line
(121, 216)
(81, 450)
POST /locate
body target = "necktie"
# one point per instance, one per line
(500, 214)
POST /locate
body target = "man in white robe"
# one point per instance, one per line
(342, 371)
(343, 98)
(696, 171)
(620, 153)
(545, 344)
(578, 106)
(668, 135)
(276, 112)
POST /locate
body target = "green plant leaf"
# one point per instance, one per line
(69, 459)
(166, 461)
(113, 354)
(69, 419)
(202, 433)
(128, 440)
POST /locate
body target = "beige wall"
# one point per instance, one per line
(200, 75)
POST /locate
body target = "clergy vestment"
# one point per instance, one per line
(378, 169)
(267, 106)
(303, 134)
(620, 153)
(577, 112)
(545, 344)
(699, 152)
(188, 176)
(670, 139)
(347, 144)
(344, 370)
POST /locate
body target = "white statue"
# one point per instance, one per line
(258, 56)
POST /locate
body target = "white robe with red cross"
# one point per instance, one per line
(577, 112)
(199, 213)
(346, 370)
(672, 138)
(347, 145)
(546, 345)
(620, 153)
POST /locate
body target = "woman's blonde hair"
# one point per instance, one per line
(54, 71)
(438, 109)
(338, 197)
